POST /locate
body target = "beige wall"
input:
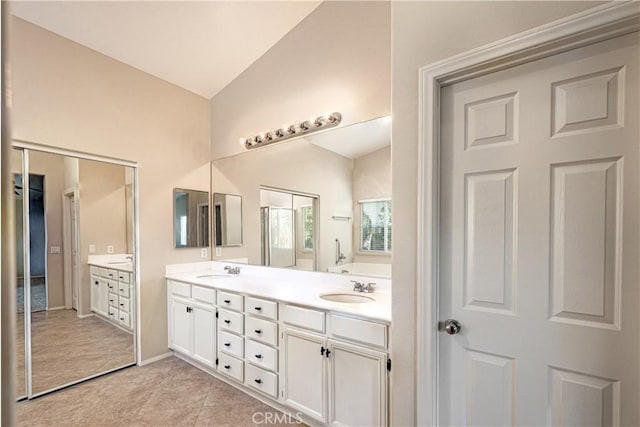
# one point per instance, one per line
(336, 59)
(371, 180)
(300, 167)
(425, 32)
(102, 212)
(66, 95)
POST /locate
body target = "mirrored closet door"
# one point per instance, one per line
(76, 296)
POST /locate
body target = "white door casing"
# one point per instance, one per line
(537, 250)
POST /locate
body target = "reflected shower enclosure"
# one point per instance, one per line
(71, 213)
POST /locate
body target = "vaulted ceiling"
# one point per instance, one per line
(200, 46)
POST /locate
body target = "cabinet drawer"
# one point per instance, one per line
(124, 318)
(231, 321)
(261, 307)
(124, 277)
(112, 274)
(231, 366)
(112, 285)
(113, 313)
(94, 271)
(181, 289)
(124, 304)
(230, 301)
(123, 290)
(102, 272)
(266, 382)
(231, 344)
(302, 317)
(262, 330)
(113, 300)
(358, 330)
(203, 294)
(262, 355)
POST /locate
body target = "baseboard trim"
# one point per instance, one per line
(56, 308)
(155, 359)
(84, 316)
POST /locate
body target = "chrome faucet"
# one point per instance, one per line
(232, 270)
(361, 287)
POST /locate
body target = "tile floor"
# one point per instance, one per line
(166, 393)
(65, 348)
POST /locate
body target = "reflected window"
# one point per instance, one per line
(307, 224)
(375, 226)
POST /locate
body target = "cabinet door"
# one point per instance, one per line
(304, 370)
(204, 333)
(95, 294)
(104, 298)
(357, 386)
(181, 325)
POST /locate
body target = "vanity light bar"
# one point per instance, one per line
(297, 129)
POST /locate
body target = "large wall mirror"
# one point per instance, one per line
(75, 242)
(321, 202)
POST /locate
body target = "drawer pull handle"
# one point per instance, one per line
(227, 301)
(121, 305)
(227, 366)
(227, 344)
(258, 331)
(322, 350)
(258, 308)
(258, 381)
(122, 318)
(227, 321)
(258, 356)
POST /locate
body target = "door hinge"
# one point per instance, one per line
(217, 361)
(389, 365)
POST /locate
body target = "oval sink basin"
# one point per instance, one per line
(206, 276)
(347, 298)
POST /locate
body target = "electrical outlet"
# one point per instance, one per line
(110, 249)
(203, 253)
(55, 249)
(92, 249)
(218, 251)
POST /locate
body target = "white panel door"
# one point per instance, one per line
(181, 326)
(103, 305)
(357, 386)
(539, 242)
(204, 333)
(304, 369)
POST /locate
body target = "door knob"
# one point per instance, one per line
(451, 326)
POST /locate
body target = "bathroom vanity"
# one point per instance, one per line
(302, 342)
(112, 290)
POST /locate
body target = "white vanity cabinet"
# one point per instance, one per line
(111, 295)
(329, 378)
(192, 321)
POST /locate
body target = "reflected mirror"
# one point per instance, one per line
(227, 219)
(76, 284)
(320, 202)
(190, 218)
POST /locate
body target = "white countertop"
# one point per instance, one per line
(112, 261)
(296, 290)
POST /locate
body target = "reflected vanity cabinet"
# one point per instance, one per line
(112, 295)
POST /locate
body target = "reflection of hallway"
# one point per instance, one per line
(66, 348)
(38, 295)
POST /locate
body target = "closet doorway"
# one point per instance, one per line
(77, 263)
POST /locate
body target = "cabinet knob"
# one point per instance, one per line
(227, 366)
(122, 318)
(258, 381)
(328, 352)
(322, 350)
